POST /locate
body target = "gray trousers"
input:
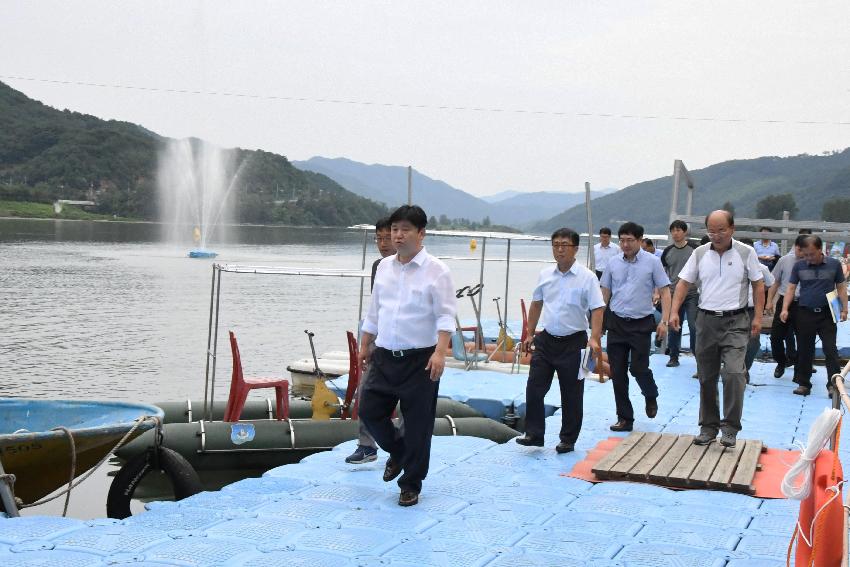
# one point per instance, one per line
(721, 350)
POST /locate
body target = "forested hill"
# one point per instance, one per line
(819, 186)
(48, 154)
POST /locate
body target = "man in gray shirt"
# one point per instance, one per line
(783, 343)
(673, 259)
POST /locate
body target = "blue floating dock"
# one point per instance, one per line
(483, 504)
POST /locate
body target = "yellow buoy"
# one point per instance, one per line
(473, 244)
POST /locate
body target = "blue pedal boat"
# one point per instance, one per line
(40, 457)
(202, 253)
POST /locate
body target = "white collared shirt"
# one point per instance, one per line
(411, 302)
(567, 297)
(723, 278)
(601, 255)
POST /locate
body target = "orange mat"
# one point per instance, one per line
(774, 464)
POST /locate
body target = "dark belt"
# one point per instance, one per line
(562, 337)
(724, 313)
(820, 309)
(406, 352)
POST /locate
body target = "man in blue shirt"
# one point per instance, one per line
(564, 294)
(628, 285)
(816, 275)
(766, 249)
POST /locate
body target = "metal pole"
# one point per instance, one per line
(209, 339)
(362, 267)
(481, 303)
(690, 203)
(7, 497)
(409, 185)
(591, 260)
(674, 200)
(215, 343)
(785, 216)
(507, 276)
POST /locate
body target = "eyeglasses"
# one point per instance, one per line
(563, 245)
(383, 239)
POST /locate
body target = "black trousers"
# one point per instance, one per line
(402, 380)
(783, 343)
(629, 342)
(809, 325)
(564, 357)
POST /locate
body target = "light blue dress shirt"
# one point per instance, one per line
(632, 283)
(567, 297)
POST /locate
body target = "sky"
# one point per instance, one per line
(485, 95)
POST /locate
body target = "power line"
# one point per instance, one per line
(404, 105)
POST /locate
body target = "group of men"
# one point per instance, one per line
(718, 287)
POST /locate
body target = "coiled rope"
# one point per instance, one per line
(797, 483)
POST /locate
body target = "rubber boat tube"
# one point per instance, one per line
(268, 444)
(299, 408)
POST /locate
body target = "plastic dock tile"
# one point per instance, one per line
(389, 520)
(267, 485)
(550, 496)
(109, 539)
(170, 516)
(571, 543)
(688, 535)
(617, 505)
(652, 555)
(773, 524)
(430, 553)
(764, 546)
(197, 551)
(255, 530)
(486, 533)
(527, 558)
(350, 542)
(49, 558)
(15, 530)
(595, 523)
(517, 515)
(313, 512)
(713, 516)
(294, 558)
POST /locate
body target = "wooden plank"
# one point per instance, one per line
(641, 470)
(634, 456)
(661, 472)
(722, 475)
(742, 480)
(613, 457)
(700, 475)
(687, 464)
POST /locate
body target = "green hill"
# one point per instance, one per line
(812, 180)
(48, 154)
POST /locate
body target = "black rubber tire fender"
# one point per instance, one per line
(184, 479)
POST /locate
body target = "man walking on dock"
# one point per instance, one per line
(564, 294)
(816, 276)
(628, 285)
(367, 448)
(673, 259)
(410, 320)
(783, 334)
(603, 251)
(724, 270)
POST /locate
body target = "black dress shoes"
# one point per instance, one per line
(802, 390)
(621, 425)
(562, 448)
(779, 371)
(527, 441)
(392, 470)
(651, 407)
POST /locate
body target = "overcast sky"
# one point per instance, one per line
(484, 95)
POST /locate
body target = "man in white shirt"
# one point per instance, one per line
(564, 294)
(724, 270)
(783, 334)
(411, 319)
(603, 251)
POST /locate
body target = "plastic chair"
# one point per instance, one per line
(240, 386)
(349, 408)
(459, 349)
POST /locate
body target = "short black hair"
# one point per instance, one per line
(631, 228)
(747, 241)
(566, 233)
(605, 230)
(730, 218)
(812, 240)
(411, 213)
(382, 223)
(680, 224)
(649, 242)
(800, 241)
(765, 229)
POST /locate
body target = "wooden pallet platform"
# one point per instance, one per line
(673, 460)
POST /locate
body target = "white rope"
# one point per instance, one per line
(797, 483)
(836, 491)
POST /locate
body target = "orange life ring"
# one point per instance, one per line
(824, 532)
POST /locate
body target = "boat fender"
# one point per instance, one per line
(183, 477)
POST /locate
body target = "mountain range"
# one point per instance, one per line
(388, 184)
(812, 180)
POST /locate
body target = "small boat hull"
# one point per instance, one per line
(201, 253)
(40, 458)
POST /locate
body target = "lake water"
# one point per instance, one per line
(100, 310)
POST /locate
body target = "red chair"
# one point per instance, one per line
(349, 408)
(240, 386)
